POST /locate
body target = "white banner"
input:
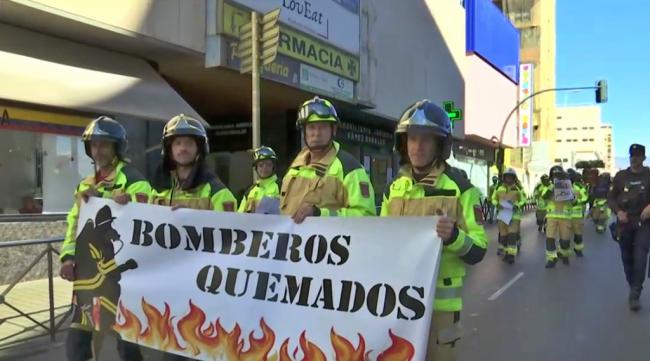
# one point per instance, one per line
(563, 190)
(228, 286)
(334, 22)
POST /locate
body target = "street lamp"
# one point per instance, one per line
(601, 97)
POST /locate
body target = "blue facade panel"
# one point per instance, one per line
(491, 35)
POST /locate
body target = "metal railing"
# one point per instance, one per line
(50, 326)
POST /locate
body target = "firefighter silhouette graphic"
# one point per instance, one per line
(97, 282)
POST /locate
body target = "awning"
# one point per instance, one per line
(54, 72)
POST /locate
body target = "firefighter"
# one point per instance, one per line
(426, 186)
(105, 142)
(578, 212)
(509, 195)
(264, 162)
(600, 211)
(559, 198)
(324, 180)
(491, 208)
(540, 214)
(182, 179)
(630, 201)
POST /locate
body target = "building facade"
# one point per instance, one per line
(581, 136)
(536, 21)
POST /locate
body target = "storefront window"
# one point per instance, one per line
(39, 171)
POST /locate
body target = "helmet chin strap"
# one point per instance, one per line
(319, 148)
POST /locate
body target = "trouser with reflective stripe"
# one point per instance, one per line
(444, 334)
(558, 228)
(509, 236)
(79, 347)
(577, 225)
(540, 214)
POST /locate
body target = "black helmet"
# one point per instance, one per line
(424, 116)
(106, 128)
(544, 177)
(495, 179)
(574, 175)
(264, 153)
(556, 171)
(187, 126)
(103, 216)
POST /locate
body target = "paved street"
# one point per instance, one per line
(570, 313)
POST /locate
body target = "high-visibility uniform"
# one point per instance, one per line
(509, 233)
(444, 190)
(578, 214)
(558, 225)
(124, 179)
(262, 188)
(540, 214)
(337, 185)
(207, 192)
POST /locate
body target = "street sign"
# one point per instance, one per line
(259, 38)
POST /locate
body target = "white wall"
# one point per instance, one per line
(416, 50)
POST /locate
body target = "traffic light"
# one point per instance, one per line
(601, 91)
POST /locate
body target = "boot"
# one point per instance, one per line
(551, 263)
(509, 259)
(579, 253)
(565, 259)
(635, 295)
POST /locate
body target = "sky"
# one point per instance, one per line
(604, 39)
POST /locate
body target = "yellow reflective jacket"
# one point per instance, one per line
(124, 179)
(203, 190)
(337, 185)
(511, 194)
(538, 193)
(580, 204)
(445, 190)
(262, 188)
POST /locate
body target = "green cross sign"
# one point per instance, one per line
(455, 114)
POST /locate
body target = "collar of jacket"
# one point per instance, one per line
(110, 178)
(429, 180)
(302, 159)
(162, 179)
(266, 181)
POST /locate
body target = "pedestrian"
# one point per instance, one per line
(428, 186)
(559, 197)
(540, 213)
(509, 198)
(266, 186)
(600, 211)
(324, 180)
(578, 212)
(105, 142)
(629, 199)
(491, 207)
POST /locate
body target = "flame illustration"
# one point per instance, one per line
(212, 341)
(400, 350)
(131, 327)
(344, 350)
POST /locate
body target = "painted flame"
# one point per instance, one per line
(400, 350)
(210, 339)
(343, 349)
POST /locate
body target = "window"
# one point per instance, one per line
(568, 140)
(529, 37)
(565, 160)
(559, 128)
(558, 160)
(559, 140)
(585, 128)
(584, 139)
(45, 170)
(591, 139)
